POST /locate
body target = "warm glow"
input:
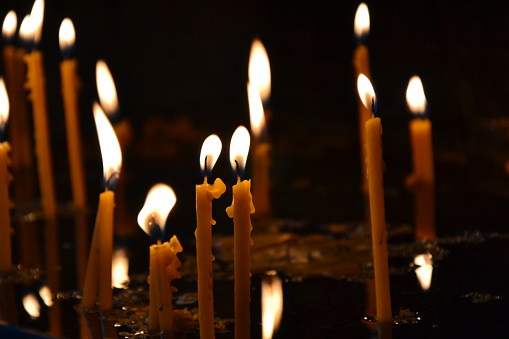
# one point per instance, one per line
(158, 204)
(110, 148)
(366, 92)
(25, 30)
(36, 19)
(4, 104)
(425, 271)
(211, 149)
(239, 148)
(66, 34)
(361, 23)
(9, 25)
(256, 113)
(45, 294)
(31, 305)
(259, 69)
(272, 304)
(415, 98)
(106, 88)
(120, 269)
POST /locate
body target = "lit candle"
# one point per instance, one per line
(204, 194)
(240, 211)
(98, 277)
(258, 90)
(422, 180)
(5, 179)
(361, 66)
(377, 204)
(163, 257)
(70, 88)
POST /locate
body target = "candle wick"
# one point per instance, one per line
(206, 169)
(237, 168)
(373, 105)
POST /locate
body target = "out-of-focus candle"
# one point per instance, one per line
(422, 180)
(377, 203)
(204, 194)
(241, 210)
(98, 275)
(70, 96)
(164, 262)
(361, 66)
(5, 179)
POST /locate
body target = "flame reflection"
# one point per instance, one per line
(272, 304)
(120, 269)
(32, 305)
(425, 270)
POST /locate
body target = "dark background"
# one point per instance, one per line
(180, 69)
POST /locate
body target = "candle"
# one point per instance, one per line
(163, 257)
(5, 179)
(204, 194)
(377, 204)
(422, 180)
(98, 277)
(361, 66)
(258, 90)
(240, 211)
(70, 88)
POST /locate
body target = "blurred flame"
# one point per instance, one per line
(211, 149)
(110, 148)
(366, 91)
(259, 69)
(36, 19)
(160, 200)
(415, 97)
(120, 269)
(9, 25)
(45, 294)
(425, 271)
(25, 30)
(239, 147)
(361, 23)
(66, 34)
(31, 305)
(4, 104)
(106, 88)
(256, 113)
(272, 304)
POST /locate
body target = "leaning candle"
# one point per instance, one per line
(422, 180)
(204, 194)
(240, 211)
(361, 66)
(70, 89)
(98, 275)
(5, 179)
(163, 257)
(377, 204)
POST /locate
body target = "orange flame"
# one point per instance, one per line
(45, 294)
(66, 34)
(160, 200)
(25, 30)
(425, 270)
(120, 269)
(256, 113)
(361, 22)
(110, 148)
(36, 19)
(272, 304)
(4, 104)
(366, 91)
(9, 25)
(259, 69)
(239, 148)
(106, 88)
(32, 305)
(415, 97)
(211, 149)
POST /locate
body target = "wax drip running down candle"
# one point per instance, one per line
(205, 193)
(164, 262)
(241, 210)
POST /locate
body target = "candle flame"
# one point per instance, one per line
(259, 69)
(272, 304)
(25, 30)
(66, 34)
(256, 113)
(120, 269)
(239, 149)
(211, 150)
(45, 294)
(36, 19)
(9, 25)
(366, 92)
(32, 305)
(160, 200)
(415, 98)
(361, 22)
(108, 142)
(106, 88)
(4, 105)
(425, 270)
